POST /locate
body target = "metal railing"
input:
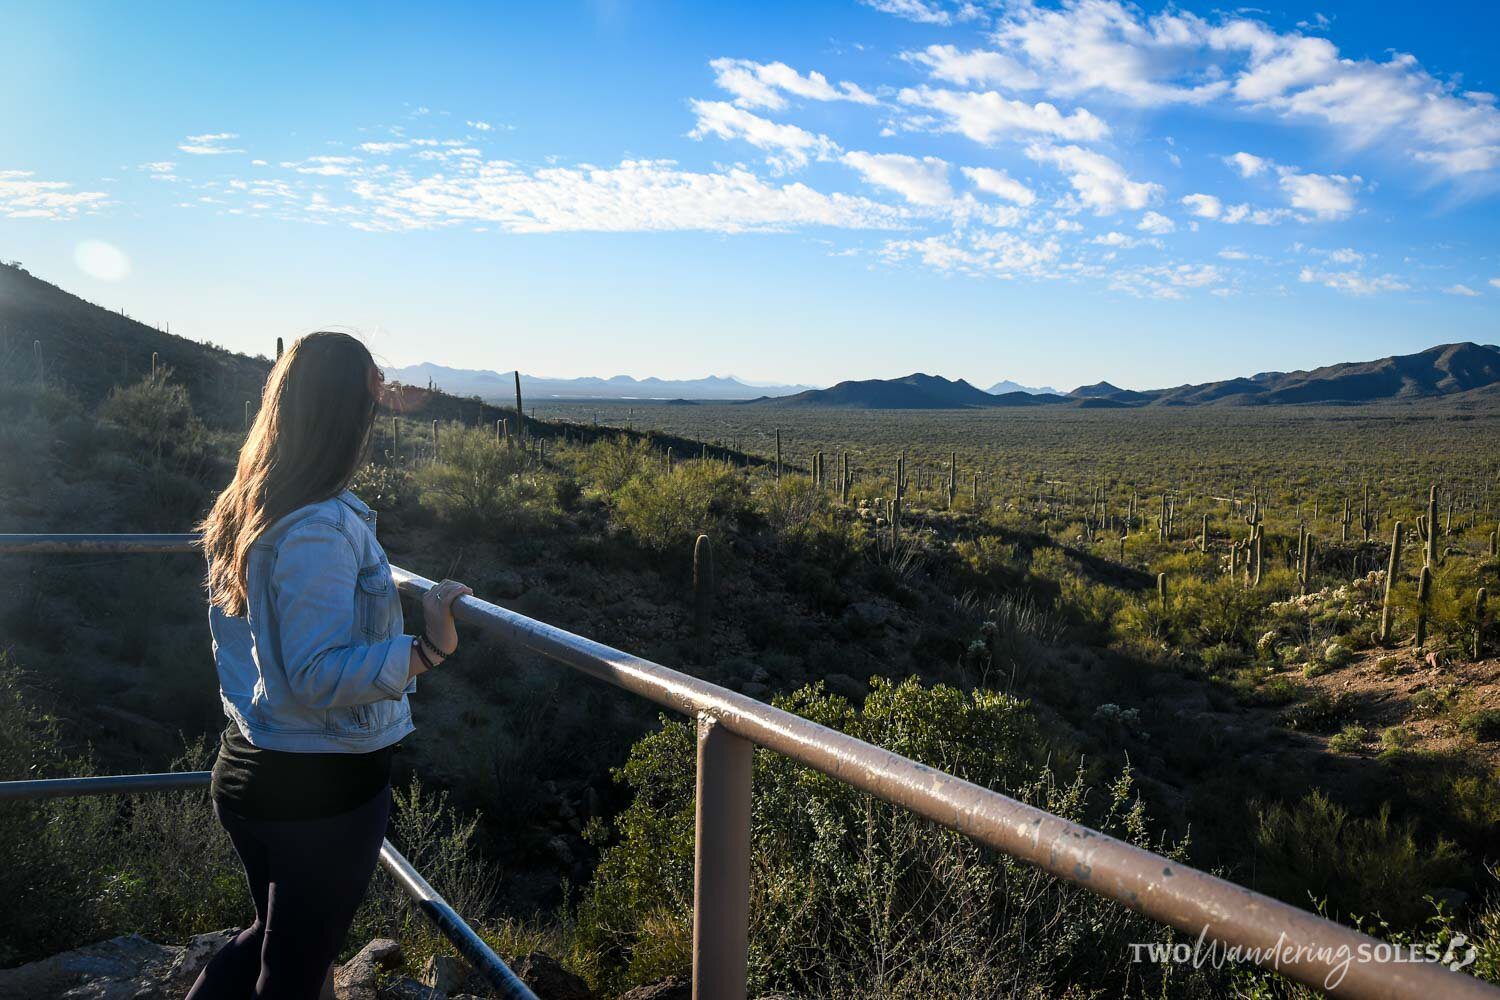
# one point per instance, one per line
(480, 956)
(1293, 942)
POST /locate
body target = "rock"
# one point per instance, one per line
(843, 684)
(407, 988)
(357, 979)
(548, 979)
(107, 969)
(560, 851)
(195, 955)
(445, 974)
(505, 584)
(866, 615)
(671, 988)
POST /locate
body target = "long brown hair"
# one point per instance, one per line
(309, 437)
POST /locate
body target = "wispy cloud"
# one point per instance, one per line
(788, 146)
(23, 196)
(1101, 183)
(209, 144)
(1353, 282)
(920, 181)
(763, 85)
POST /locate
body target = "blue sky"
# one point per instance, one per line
(1052, 192)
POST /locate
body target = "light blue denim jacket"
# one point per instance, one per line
(319, 662)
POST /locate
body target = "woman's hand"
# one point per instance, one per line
(437, 615)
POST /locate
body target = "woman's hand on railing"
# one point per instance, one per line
(437, 615)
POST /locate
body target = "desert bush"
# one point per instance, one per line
(609, 464)
(479, 484)
(1315, 849)
(157, 415)
(669, 509)
(789, 505)
(852, 896)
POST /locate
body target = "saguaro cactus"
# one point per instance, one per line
(36, 356)
(1429, 528)
(1424, 598)
(155, 363)
(435, 451)
(1203, 538)
(395, 440)
(703, 590)
(1392, 568)
(1257, 553)
(247, 414)
(1481, 599)
(844, 479)
(520, 414)
(952, 477)
(1344, 524)
(278, 348)
(778, 454)
(1304, 571)
(1161, 589)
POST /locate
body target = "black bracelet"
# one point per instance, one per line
(422, 654)
(436, 648)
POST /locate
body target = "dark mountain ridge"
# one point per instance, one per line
(1465, 371)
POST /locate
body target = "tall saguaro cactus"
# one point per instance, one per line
(703, 590)
(952, 477)
(1481, 601)
(1424, 599)
(1392, 568)
(778, 454)
(520, 415)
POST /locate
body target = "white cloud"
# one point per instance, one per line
(479, 126)
(1229, 254)
(921, 182)
(761, 85)
(976, 67)
(1113, 239)
(1464, 290)
(381, 148)
(1156, 223)
(1101, 183)
(1495, 282)
(1346, 255)
(1164, 281)
(325, 166)
(22, 196)
(986, 116)
(1248, 164)
(1353, 282)
(1235, 214)
(921, 11)
(1327, 196)
(209, 144)
(997, 254)
(1205, 206)
(790, 147)
(999, 183)
(636, 195)
(1116, 49)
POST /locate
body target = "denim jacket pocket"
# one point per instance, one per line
(375, 597)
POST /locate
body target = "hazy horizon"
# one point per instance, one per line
(1054, 194)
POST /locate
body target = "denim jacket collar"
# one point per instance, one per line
(355, 504)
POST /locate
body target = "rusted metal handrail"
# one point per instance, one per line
(1297, 944)
(481, 957)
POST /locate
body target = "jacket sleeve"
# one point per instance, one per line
(312, 587)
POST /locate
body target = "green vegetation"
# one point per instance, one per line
(1067, 609)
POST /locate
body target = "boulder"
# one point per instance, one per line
(671, 988)
(548, 979)
(118, 967)
(358, 978)
(446, 974)
(866, 615)
(195, 955)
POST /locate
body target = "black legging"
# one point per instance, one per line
(307, 878)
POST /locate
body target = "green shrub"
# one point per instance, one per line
(670, 509)
(1350, 739)
(1322, 713)
(1314, 849)
(843, 883)
(157, 414)
(479, 484)
(1482, 724)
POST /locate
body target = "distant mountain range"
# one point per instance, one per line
(1459, 371)
(1006, 385)
(501, 386)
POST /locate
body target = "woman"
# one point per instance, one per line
(313, 670)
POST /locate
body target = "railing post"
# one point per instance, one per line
(721, 883)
